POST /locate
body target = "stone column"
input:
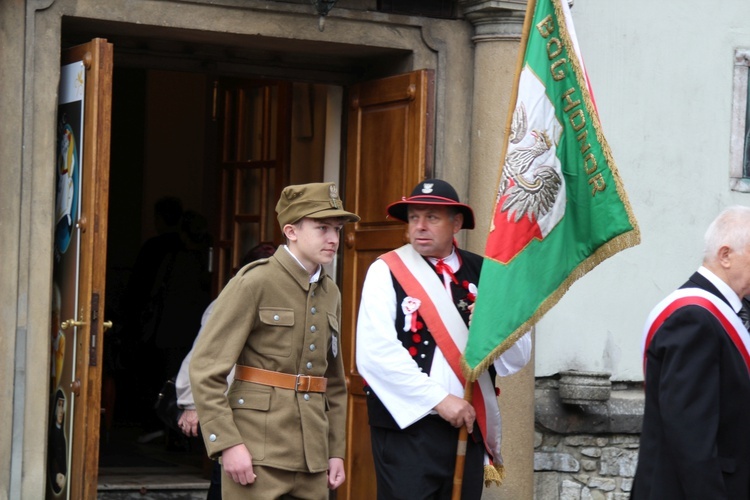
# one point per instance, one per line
(497, 36)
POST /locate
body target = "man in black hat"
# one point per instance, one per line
(411, 330)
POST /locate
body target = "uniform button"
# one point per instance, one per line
(241, 401)
(422, 356)
(312, 293)
(275, 317)
(307, 397)
(212, 437)
(309, 365)
(426, 342)
(313, 310)
(313, 329)
(312, 347)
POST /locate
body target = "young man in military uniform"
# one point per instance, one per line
(280, 429)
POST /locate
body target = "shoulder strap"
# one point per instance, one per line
(698, 297)
(439, 312)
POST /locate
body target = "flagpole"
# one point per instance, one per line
(463, 434)
(530, 7)
(463, 437)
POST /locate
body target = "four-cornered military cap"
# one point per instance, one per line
(432, 192)
(319, 200)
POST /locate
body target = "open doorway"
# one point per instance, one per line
(169, 134)
(168, 101)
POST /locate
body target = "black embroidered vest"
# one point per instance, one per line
(421, 344)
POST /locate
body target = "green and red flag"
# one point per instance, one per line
(561, 208)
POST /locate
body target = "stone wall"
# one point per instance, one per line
(586, 467)
(586, 451)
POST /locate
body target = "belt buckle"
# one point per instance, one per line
(297, 383)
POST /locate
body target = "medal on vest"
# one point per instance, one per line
(409, 307)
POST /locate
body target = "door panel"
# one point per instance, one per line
(82, 166)
(389, 150)
(255, 124)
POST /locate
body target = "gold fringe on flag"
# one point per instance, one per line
(494, 474)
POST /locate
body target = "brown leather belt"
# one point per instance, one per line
(297, 383)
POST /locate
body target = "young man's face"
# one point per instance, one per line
(314, 241)
(431, 229)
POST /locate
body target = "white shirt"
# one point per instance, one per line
(314, 277)
(724, 289)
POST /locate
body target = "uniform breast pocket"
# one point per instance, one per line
(250, 411)
(276, 337)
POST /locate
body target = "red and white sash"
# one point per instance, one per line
(451, 333)
(710, 302)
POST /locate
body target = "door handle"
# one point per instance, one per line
(106, 325)
(71, 322)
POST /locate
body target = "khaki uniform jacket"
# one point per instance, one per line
(270, 316)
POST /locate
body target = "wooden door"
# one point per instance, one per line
(255, 121)
(389, 150)
(80, 241)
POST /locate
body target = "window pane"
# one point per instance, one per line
(271, 221)
(247, 238)
(274, 119)
(249, 186)
(229, 147)
(251, 124)
(227, 193)
(224, 264)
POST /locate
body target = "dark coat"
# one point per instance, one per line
(695, 442)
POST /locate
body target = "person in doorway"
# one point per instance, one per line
(695, 441)
(182, 293)
(167, 216)
(409, 360)
(143, 361)
(183, 286)
(188, 421)
(280, 429)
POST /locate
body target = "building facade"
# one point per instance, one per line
(673, 111)
(166, 58)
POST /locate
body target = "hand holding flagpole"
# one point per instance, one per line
(463, 437)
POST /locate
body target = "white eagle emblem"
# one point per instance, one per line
(530, 188)
(333, 194)
(427, 188)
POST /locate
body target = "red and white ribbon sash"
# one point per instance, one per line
(451, 333)
(698, 297)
